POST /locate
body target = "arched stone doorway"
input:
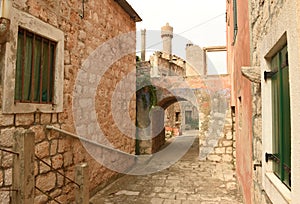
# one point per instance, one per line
(151, 132)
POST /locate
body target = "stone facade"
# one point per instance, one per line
(268, 26)
(274, 24)
(182, 86)
(82, 34)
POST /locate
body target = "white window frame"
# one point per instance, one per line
(35, 25)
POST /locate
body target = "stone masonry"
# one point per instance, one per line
(262, 16)
(216, 137)
(188, 181)
(83, 33)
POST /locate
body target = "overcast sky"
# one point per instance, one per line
(201, 22)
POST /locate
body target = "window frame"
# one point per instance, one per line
(42, 68)
(35, 25)
(273, 186)
(235, 21)
(279, 110)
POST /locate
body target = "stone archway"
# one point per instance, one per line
(211, 96)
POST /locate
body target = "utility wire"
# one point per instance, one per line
(192, 28)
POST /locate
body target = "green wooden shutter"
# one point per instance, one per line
(281, 116)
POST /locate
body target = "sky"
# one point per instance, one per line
(201, 22)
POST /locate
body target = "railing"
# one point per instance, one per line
(23, 179)
(81, 194)
(8, 188)
(49, 127)
(81, 177)
(58, 172)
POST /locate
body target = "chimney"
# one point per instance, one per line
(195, 60)
(167, 35)
(143, 45)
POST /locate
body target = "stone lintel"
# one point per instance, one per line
(252, 73)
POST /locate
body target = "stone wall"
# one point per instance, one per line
(103, 20)
(211, 95)
(217, 138)
(167, 66)
(259, 196)
(262, 16)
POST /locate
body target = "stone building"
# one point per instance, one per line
(263, 55)
(204, 98)
(46, 48)
(178, 116)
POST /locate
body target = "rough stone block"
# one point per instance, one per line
(214, 158)
(54, 117)
(228, 136)
(60, 180)
(6, 137)
(56, 193)
(7, 160)
(39, 133)
(62, 199)
(63, 145)
(8, 177)
(43, 167)
(234, 154)
(6, 120)
(68, 158)
(53, 147)
(229, 150)
(42, 149)
(4, 197)
(220, 150)
(257, 127)
(57, 161)
(46, 182)
(41, 199)
(45, 118)
(227, 143)
(24, 119)
(227, 158)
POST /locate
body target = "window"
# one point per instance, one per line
(281, 122)
(188, 116)
(34, 68)
(235, 24)
(177, 114)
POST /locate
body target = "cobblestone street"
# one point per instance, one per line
(188, 181)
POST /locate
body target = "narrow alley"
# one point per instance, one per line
(140, 102)
(188, 181)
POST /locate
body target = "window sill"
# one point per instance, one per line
(276, 190)
(31, 108)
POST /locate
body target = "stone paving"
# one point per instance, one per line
(188, 181)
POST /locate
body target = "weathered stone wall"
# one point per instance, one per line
(217, 138)
(167, 66)
(262, 16)
(102, 21)
(170, 114)
(259, 196)
(210, 93)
